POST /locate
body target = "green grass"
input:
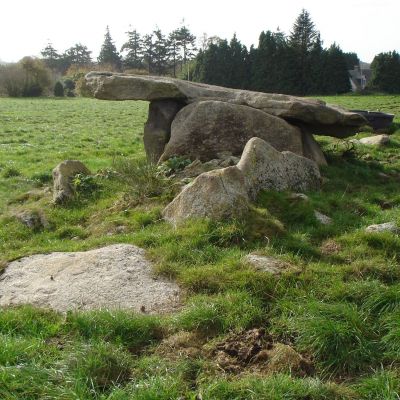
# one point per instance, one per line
(338, 306)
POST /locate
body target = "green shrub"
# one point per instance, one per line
(84, 186)
(58, 89)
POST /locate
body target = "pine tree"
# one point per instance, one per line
(187, 43)
(134, 49)
(336, 76)
(50, 56)
(174, 49)
(148, 51)
(238, 75)
(160, 53)
(108, 53)
(302, 40)
(303, 35)
(78, 55)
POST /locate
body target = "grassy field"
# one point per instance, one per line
(339, 306)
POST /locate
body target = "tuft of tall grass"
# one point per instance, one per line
(29, 321)
(211, 315)
(382, 385)
(142, 178)
(98, 366)
(120, 327)
(275, 387)
(339, 336)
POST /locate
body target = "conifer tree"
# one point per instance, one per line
(174, 49)
(335, 76)
(148, 52)
(108, 53)
(160, 52)
(187, 43)
(134, 49)
(50, 56)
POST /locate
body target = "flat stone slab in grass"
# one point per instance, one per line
(112, 277)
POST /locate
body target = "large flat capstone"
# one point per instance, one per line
(315, 116)
(112, 277)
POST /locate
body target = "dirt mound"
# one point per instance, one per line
(255, 351)
(112, 277)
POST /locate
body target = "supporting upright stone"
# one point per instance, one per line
(157, 130)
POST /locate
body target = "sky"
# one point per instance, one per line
(367, 27)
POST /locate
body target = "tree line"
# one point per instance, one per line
(154, 53)
(295, 63)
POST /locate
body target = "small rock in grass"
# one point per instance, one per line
(322, 218)
(62, 175)
(378, 140)
(299, 196)
(34, 220)
(385, 227)
(383, 175)
(266, 264)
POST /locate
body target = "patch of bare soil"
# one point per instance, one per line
(255, 351)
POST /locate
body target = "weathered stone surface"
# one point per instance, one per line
(264, 167)
(62, 175)
(224, 193)
(378, 140)
(206, 128)
(312, 150)
(216, 195)
(266, 264)
(385, 227)
(317, 115)
(196, 168)
(112, 277)
(33, 219)
(157, 130)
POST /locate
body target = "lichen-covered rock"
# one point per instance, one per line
(264, 167)
(62, 175)
(217, 195)
(204, 129)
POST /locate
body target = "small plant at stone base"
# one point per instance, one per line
(84, 185)
(174, 164)
(344, 148)
(144, 179)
